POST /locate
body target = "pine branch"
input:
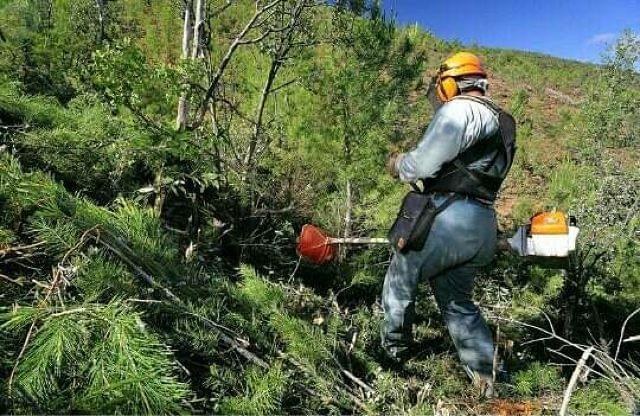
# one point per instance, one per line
(57, 277)
(125, 254)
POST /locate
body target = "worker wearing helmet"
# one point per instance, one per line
(465, 152)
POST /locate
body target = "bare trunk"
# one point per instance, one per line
(574, 380)
(160, 194)
(187, 32)
(196, 49)
(49, 14)
(100, 7)
(348, 222)
(347, 158)
(266, 89)
(183, 103)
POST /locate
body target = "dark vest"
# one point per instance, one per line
(460, 175)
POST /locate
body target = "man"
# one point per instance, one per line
(465, 153)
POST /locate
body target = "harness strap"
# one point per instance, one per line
(449, 201)
(457, 162)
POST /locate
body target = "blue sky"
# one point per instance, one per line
(576, 29)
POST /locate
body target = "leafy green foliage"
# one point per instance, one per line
(100, 279)
(122, 74)
(611, 113)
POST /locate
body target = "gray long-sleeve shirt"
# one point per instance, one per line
(456, 126)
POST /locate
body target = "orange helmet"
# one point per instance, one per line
(460, 64)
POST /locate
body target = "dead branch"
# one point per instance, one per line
(266, 211)
(285, 84)
(574, 379)
(14, 128)
(5, 277)
(20, 250)
(303, 368)
(20, 354)
(616, 371)
(236, 110)
(356, 380)
(221, 9)
(101, 17)
(575, 362)
(624, 327)
(232, 343)
(126, 255)
(120, 253)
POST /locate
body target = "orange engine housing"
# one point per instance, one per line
(550, 223)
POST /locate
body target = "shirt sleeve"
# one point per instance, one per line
(441, 143)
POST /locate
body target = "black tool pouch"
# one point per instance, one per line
(413, 223)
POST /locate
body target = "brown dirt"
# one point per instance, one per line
(500, 407)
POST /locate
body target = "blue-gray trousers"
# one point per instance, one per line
(462, 239)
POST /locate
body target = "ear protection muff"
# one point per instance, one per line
(447, 88)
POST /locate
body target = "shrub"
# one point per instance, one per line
(537, 379)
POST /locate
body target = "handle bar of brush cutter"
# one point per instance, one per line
(503, 244)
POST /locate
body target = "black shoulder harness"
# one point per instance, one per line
(455, 176)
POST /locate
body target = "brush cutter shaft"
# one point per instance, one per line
(358, 240)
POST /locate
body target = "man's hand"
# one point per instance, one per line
(391, 163)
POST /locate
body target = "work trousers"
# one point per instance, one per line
(462, 239)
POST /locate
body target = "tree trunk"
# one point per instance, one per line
(49, 14)
(198, 27)
(348, 221)
(161, 194)
(183, 103)
(348, 205)
(100, 7)
(257, 129)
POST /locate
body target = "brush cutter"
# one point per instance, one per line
(548, 236)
